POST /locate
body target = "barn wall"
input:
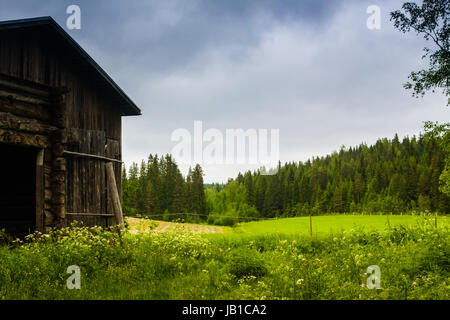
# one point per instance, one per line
(29, 117)
(92, 124)
(37, 58)
(90, 193)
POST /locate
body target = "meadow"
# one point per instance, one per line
(324, 225)
(275, 259)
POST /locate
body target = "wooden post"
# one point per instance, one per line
(435, 220)
(310, 225)
(114, 193)
(40, 185)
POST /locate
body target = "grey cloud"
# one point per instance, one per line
(310, 68)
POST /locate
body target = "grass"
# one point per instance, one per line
(321, 225)
(324, 225)
(413, 256)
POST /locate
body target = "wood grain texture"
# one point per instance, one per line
(115, 198)
(51, 101)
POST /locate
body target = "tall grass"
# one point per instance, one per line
(414, 263)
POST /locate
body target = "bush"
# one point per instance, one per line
(4, 237)
(228, 221)
(219, 220)
(211, 220)
(246, 262)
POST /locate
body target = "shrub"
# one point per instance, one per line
(227, 221)
(246, 262)
(4, 238)
(222, 220)
(211, 220)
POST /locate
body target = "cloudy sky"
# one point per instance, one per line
(311, 69)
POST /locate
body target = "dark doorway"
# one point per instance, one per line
(17, 189)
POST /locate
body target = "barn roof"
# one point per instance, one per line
(81, 58)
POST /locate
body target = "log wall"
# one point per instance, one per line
(30, 117)
(36, 57)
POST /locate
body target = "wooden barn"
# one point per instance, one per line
(60, 131)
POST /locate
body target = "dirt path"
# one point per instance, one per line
(145, 226)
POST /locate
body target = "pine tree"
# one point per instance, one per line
(197, 191)
(154, 191)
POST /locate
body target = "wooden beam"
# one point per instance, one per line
(114, 193)
(15, 96)
(90, 214)
(40, 190)
(30, 88)
(13, 122)
(33, 111)
(25, 139)
(87, 155)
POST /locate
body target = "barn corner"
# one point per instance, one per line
(60, 123)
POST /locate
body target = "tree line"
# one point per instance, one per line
(391, 176)
(387, 177)
(157, 187)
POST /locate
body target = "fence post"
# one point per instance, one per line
(310, 225)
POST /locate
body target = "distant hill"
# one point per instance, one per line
(391, 176)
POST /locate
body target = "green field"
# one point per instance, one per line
(274, 259)
(323, 225)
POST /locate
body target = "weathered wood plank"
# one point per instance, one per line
(92, 156)
(87, 152)
(10, 121)
(25, 139)
(39, 112)
(90, 214)
(115, 198)
(40, 186)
